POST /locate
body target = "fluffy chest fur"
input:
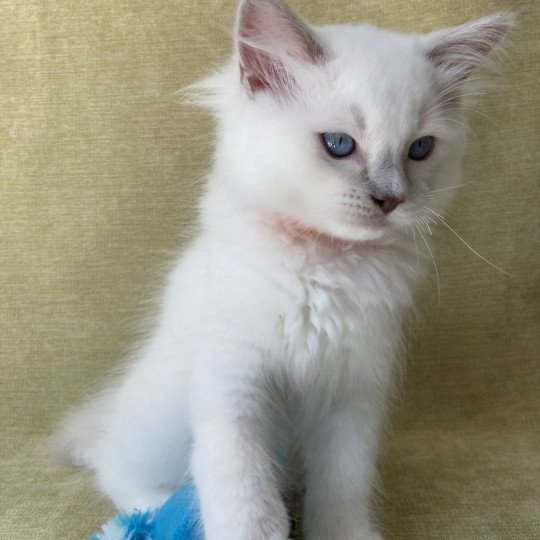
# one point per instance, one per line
(319, 309)
(344, 311)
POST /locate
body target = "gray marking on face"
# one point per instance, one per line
(385, 179)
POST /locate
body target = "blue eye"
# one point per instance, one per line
(421, 148)
(338, 145)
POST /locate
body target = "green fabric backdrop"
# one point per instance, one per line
(99, 172)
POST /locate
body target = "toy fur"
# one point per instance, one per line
(177, 519)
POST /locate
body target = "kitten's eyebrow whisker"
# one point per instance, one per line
(474, 110)
(452, 98)
(463, 125)
(457, 85)
(434, 264)
(443, 221)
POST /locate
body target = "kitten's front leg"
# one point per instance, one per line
(340, 473)
(231, 461)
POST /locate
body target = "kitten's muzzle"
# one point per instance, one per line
(386, 186)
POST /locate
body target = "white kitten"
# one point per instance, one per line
(280, 327)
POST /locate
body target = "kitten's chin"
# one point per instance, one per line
(331, 234)
(358, 234)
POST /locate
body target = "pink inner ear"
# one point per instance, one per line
(263, 24)
(465, 48)
(267, 31)
(259, 71)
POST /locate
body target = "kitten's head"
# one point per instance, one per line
(347, 130)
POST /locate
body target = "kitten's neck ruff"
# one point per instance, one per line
(226, 216)
(383, 274)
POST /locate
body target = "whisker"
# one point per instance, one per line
(442, 220)
(476, 111)
(443, 189)
(458, 86)
(452, 98)
(464, 125)
(434, 264)
(425, 222)
(415, 244)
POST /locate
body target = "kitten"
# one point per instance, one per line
(272, 363)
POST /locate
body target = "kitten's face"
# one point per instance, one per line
(351, 131)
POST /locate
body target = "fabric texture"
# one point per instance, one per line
(100, 170)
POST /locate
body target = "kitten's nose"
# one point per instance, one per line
(388, 203)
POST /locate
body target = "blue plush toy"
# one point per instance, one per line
(178, 519)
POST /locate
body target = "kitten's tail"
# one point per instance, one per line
(76, 440)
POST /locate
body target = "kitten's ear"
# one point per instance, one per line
(458, 52)
(268, 34)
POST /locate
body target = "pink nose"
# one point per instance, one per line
(388, 204)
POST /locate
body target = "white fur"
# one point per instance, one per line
(273, 359)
